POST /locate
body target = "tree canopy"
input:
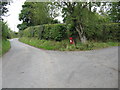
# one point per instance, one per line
(82, 19)
(80, 16)
(4, 30)
(114, 12)
(34, 13)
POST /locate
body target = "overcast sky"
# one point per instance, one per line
(12, 18)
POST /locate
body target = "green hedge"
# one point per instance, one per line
(4, 30)
(113, 31)
(55, 32)
(106, 32)
(58, 32)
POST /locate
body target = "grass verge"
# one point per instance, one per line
(64, 45)
(4, 46)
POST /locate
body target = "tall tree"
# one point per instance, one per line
(79, 15)
(3, 8)
(83, 15)
(4, 30)
(34, 13)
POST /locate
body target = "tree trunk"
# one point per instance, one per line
(82, 37)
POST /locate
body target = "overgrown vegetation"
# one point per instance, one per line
(88, 28)
(64, 45)
(55, 32)
(5, 47)
(59, 32)
(4, 30)
(13, 34)
(35, 13)
(4, 43)
(0, 47)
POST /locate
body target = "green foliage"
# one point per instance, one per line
(34, 13)
(114, 12)
(97, 28)
(58, 32)
(112, 32)
(71, 30)
(93, 28)
(5, 46)
(33, 31)
(22, 26)
(64, 45)
(45, 44)
(5, 30)
(103, 32)
(0, 46)
(3, 8)
(54, 21)
(13, 34)
(55, 32)
(26, 32)
(81, 21)
(4, 35)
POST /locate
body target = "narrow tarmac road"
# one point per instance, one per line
(27, 67)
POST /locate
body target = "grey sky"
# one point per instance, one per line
(14, 10)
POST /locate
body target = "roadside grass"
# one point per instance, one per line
(65, 46)
(4, 46)
(0, 47)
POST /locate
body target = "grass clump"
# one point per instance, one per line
(65, 45)
(4, 46)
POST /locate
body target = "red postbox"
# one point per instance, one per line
(71, 40)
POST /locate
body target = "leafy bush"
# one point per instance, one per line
(4, 30)
(59, 32)
(55, 32)
(4, 35)
(113, 31)
(5, 46)
(103, 32)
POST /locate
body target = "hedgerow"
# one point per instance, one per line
(59, 32)
(55, 32)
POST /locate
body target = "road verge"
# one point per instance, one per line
(65, 45)
(4, 46)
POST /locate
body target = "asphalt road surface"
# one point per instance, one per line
(25, 66)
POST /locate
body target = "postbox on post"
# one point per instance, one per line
(71, 40)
